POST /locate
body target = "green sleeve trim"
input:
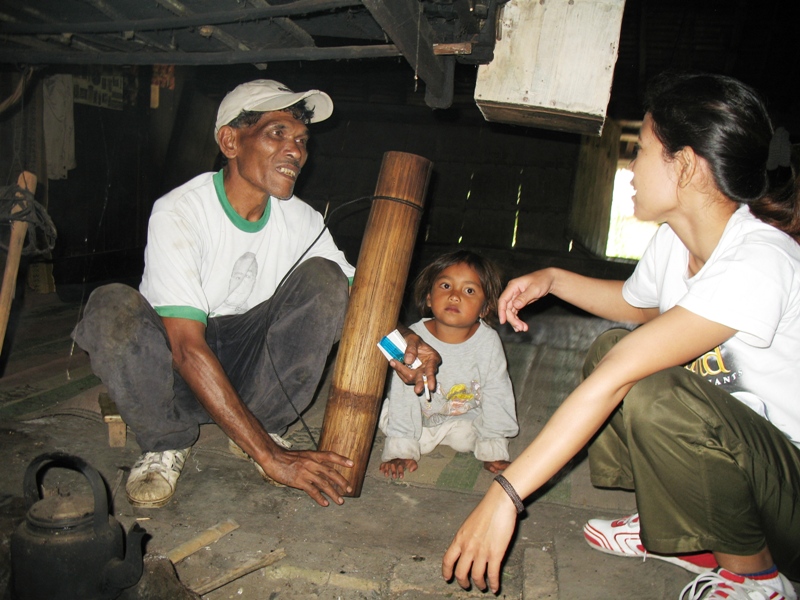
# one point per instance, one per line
(235, 218)
(350, 280)
(182, 312)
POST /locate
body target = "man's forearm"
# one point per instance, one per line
(204, 374)
(208, 381)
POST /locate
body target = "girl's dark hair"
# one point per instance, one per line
(726, 122)
(488, 273)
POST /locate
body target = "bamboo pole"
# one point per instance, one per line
(19, 229)
(360, 373)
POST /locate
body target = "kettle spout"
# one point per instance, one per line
(120, 574)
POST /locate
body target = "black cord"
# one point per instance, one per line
(294, 266)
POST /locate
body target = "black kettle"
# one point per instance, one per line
(70, 548)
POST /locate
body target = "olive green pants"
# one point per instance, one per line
(708, 472)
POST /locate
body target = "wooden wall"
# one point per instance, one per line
(493, 186)
(503, 188)
(594, 185)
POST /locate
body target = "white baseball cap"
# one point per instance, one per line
(264, 95)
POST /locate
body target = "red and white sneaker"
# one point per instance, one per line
(723, 584)
(621, 538)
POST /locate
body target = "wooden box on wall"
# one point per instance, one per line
(553, 64)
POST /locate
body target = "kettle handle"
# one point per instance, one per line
(76, 463)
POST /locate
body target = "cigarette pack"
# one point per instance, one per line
(393, 347)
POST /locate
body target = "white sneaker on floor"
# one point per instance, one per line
(722, 584)
(621, 538)
(153, 478)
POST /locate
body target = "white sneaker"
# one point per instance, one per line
(730, 586)
(621, 538)
(154, 477)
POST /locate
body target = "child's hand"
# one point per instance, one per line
(397, 466)
(493, 466)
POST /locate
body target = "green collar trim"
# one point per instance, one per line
(239, 221)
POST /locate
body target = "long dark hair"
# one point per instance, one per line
(726, 122)
(488, 273)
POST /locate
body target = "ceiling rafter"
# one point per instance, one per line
(301, 7)
(404, 22)
(86, 43)
(112, 13)
(206, 30)
(295, 31)
(201, 58)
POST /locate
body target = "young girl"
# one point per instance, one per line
(712, 450)
(472, 408)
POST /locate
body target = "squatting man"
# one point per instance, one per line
(224, 327)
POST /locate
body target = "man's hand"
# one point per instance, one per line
(396, 467)
(310, 471)
(416, 347)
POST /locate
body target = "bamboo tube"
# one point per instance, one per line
(19, 229)
(360, 373)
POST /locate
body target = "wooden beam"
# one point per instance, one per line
(226, 39)
(300, 35)
(108, 10)
(454, 48)
(301, 7)
(64, 57)
(406, 25)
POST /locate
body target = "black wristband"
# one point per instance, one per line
(512, 493)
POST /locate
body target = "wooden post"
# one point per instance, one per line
(117, 429)
(356, 390)
(19, 229)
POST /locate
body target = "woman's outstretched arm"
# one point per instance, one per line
(600, 297)
(672, 339)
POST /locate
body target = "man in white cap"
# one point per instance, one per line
(243, 295)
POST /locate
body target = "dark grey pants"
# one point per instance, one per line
(273, 354)
(708, 472)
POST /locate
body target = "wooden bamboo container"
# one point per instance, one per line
(359, 375)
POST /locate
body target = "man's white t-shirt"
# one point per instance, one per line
(204, 260)
(750, 283)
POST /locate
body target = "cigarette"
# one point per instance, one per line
(427, 391)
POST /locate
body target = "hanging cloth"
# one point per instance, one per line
(59, 126)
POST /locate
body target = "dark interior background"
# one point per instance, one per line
(505, 190)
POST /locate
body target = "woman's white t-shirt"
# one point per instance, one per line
(751, 283)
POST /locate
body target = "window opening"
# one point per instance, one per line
(627, 236)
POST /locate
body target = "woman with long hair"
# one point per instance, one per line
(696, 409)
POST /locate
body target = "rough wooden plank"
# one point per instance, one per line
(552, 59)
